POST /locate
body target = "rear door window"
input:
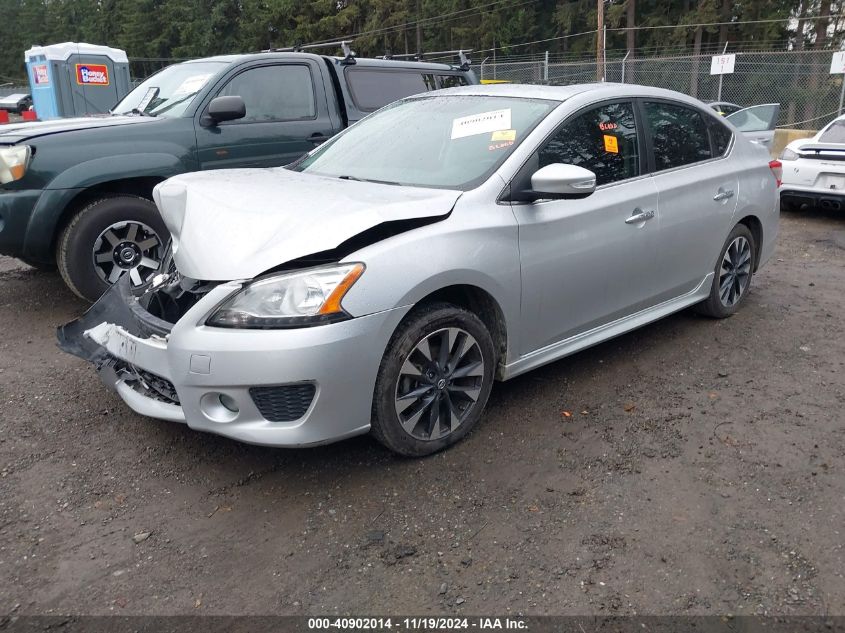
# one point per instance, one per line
(603, 140)
(678, 134)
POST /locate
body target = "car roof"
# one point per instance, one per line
(367, 62)
(562, 93)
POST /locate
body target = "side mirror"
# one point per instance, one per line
(224, 109)
(562, 182)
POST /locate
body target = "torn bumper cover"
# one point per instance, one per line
(126, 344)
(292, 387)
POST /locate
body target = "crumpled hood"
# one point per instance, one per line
(16, 132)
(239, 223)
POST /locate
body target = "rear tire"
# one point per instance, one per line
(732, 276)
(108, 238)
(434, 381)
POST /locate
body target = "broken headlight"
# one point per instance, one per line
(14, 159)
(299, 299)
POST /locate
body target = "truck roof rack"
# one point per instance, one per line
(419, 57)
(348, 53)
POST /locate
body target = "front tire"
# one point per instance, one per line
(732, 279)
(111, 237)
(434, 381)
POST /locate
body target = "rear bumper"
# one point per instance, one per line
(810, 197)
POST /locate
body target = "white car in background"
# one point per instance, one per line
(814, 170)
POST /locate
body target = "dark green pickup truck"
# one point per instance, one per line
(77, 193)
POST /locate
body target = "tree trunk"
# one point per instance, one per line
(631, 39)
(814, 80)
(724, 17)
(791, 110)
(822, 24)
(419, 28)
(696, 52)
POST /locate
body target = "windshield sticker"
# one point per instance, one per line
(145, 102)
(611, 145)
(482, 123)
(503, 135)
(608, 125)
(192, 84)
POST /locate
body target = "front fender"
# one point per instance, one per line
(467, 249)
(59, 193)
(109, 168)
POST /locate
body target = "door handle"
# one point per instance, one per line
(723, 194)
(640, 216)
(318, 138)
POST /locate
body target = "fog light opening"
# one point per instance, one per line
(229, 403)
(219, 407)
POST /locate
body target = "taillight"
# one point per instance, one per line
(777, 170)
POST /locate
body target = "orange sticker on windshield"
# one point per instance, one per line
(503, 135)
(611, 145)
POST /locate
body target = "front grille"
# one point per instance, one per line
(283, 403)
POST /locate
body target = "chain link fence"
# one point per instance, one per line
(799, 81)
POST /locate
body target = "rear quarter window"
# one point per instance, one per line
(721, 136)
(373, 88)
(834, 134)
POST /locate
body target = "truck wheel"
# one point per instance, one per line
(111, 237)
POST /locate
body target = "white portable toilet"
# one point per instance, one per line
(75, 79)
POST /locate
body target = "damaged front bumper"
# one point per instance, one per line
(272, 387)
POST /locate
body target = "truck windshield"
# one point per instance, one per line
(450, 141)
(169, 93)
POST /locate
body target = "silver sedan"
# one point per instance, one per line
(383, 282)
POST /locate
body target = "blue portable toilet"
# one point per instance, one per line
(75, 79)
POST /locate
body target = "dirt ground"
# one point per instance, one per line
(701, 472)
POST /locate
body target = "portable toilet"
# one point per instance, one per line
(73, 79)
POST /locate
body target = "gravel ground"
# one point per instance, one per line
(691, 467)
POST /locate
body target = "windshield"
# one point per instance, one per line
(452, 142)
(169, 92)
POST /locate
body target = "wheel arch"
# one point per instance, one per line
(78, 185)
(756, 227)
(483, 305)
(140, 186)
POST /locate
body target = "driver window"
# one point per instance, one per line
(274, 93)
(603, 140)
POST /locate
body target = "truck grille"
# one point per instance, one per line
(283, 403)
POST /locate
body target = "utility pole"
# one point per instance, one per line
(600, 41)
(419, 29)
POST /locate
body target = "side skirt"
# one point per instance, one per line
(607, 331)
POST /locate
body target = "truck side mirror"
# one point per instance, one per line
(223, 109)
